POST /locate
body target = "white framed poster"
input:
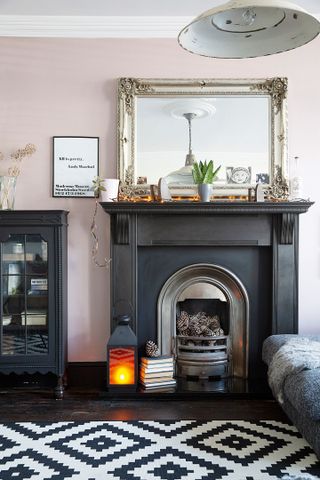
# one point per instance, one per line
(75, 165)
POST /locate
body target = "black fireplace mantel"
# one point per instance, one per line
(285, 212)
(149, 240)
(210, 208)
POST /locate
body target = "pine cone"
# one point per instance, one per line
(214, 322)
(188, 332)
(218, 332)
(203, 319)
(152, 349)
(207, 332)
(196, 329)
(183, 323)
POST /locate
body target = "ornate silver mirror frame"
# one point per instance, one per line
(131, 89)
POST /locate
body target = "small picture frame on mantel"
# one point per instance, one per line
(75, 165)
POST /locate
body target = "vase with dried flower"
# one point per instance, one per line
(9, 179)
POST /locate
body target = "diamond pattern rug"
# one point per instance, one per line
(155, 450)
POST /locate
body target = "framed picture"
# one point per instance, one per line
(238, 175)
(75, 165)
(263, 178)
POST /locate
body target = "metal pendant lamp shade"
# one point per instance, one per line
(248, 29)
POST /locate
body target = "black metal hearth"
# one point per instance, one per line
(247, 250)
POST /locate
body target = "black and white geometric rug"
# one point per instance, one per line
(154, 450)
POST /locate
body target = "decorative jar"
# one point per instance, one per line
(110, 194)
(295, 180)
(7, 192)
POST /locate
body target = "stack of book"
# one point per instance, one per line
(156, 373)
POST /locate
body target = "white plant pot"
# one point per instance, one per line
(204, 190)
(111, 186)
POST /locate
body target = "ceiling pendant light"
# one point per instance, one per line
(249, 28)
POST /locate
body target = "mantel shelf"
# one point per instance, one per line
(210, 208)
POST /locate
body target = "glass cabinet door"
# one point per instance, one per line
(24, 295)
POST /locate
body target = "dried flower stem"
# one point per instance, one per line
(95, 240)
(17, 156)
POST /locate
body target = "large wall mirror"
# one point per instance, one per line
(164, 125)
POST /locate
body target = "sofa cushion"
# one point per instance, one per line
(303, 392)
(272, 344)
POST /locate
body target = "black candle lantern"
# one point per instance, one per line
(122, 357)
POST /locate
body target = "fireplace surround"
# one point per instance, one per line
(248, 250)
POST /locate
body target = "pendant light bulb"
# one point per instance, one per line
(249, 17)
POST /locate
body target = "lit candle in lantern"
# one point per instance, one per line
(121, 366)
(122, 356)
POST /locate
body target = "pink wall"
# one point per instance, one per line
(68, 87)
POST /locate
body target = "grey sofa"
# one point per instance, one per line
(301, 393)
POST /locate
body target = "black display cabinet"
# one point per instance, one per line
(33, 270)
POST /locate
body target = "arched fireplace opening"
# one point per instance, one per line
(203, 313)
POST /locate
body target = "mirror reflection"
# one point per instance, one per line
(232, 130)
(164, 125)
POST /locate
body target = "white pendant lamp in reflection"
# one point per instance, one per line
(249, 28)
(190, 157)
(190, 109)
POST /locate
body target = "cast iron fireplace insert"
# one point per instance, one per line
(256, 243)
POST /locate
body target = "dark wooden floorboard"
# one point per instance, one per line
(85, 405)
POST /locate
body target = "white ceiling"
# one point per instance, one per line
(239, 115)
(121, 7)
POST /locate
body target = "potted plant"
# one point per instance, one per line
(204, 175)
